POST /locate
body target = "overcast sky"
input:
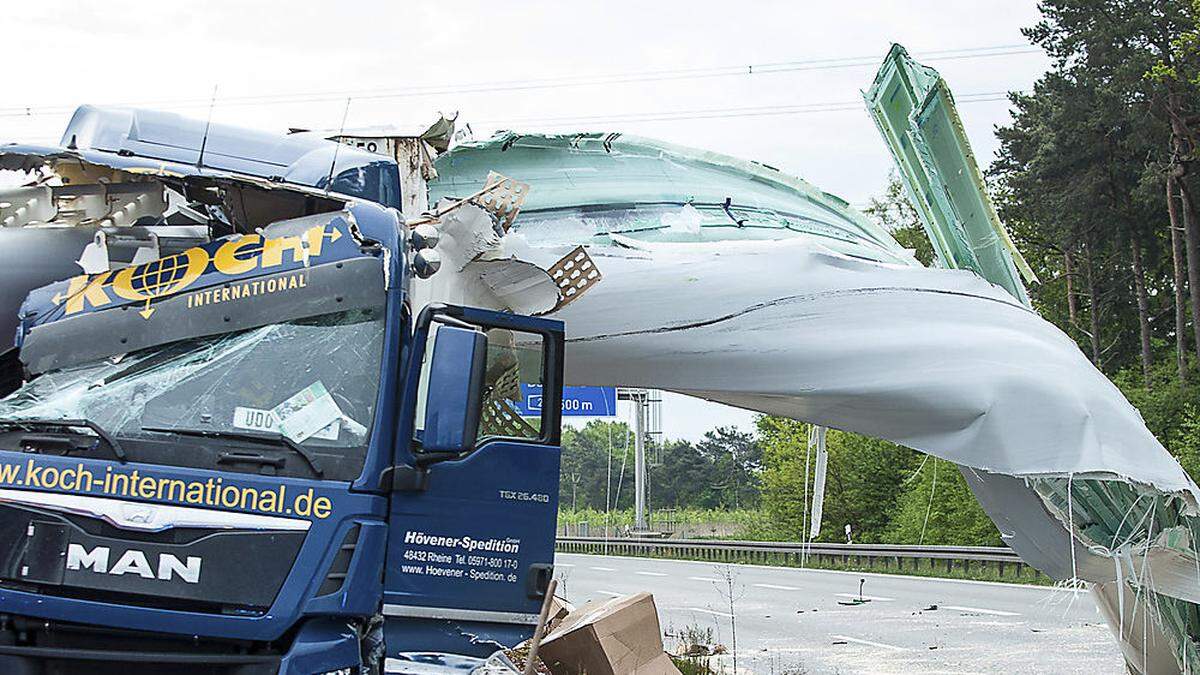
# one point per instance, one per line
(527, 66)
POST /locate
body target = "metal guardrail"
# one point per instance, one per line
(900, 556)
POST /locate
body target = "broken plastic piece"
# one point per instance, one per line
(503, 197)
(574, 274)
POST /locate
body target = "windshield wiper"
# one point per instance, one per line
(103, 435)
(260, 437)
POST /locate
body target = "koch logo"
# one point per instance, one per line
(133, 561)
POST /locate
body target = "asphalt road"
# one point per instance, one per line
(789, 621)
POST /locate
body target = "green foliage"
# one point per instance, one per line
(864, 481)
(1163, 403)
(1185, 441)
(1169, 409)
(597, 466)
(894, 212)
(784, 443)
(937, 508)
(721, 471)
(747, 518)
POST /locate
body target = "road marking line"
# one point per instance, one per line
(651, 574)
(854, 596)
(776, 587)
(708, 579)
(977, 610)
(610, 593)
(563, 565)
(710, 611)
(602, 569)
(869, 643)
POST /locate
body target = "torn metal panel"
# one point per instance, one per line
(88, 187)
(413, 149)
(174, 141)
(915, 113)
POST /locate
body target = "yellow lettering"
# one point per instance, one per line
(146, 487)
(272, 252)
(84, 290)
(120, 484)
(171, 488)
(195, 493)
(303, 503)
(84, 477)
(249, 499)
(316, 237)
(33, 475)
(9, 473)
(230, 496)
(268, 501)
(228, 260)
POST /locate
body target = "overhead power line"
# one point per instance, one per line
(549, 83)
(715, 113)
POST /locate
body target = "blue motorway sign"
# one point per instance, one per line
(577, 401)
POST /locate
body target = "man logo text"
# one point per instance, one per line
(133, 561)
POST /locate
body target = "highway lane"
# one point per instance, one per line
(791, 621)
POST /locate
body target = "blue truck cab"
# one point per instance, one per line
(253, 455)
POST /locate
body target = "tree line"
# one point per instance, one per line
(884, 492)
(1097, 180)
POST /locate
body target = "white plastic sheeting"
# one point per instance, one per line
(940, 361)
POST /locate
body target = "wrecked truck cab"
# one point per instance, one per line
(213, 458)
(128, 186)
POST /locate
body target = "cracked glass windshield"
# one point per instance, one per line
(293, 398)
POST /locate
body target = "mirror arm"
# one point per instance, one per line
(425, 459)
(414, 477)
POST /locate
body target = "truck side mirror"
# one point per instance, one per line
(454, 397)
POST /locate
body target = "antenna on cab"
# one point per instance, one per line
(333, 164)
(207, 125)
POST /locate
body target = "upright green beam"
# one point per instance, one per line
(915, 113)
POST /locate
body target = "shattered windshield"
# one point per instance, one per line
(309, 385)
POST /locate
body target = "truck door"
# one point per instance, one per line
(471, 538)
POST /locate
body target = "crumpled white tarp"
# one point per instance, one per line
(937, 360)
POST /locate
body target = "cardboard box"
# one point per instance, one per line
(560, 608)
(620, 636)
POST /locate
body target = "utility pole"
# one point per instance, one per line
(639, 460)
(646, 413)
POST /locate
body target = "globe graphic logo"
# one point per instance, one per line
(161, 277)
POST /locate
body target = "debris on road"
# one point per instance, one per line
(610, 637)
(860, 600)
